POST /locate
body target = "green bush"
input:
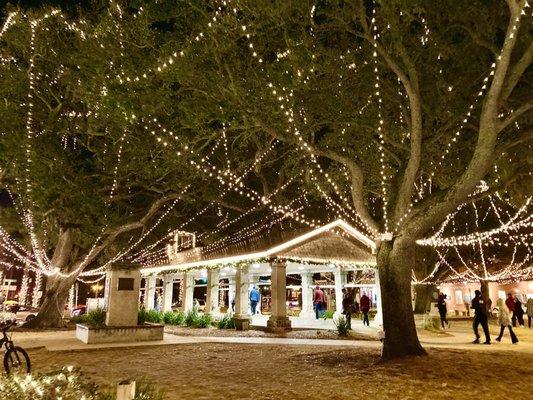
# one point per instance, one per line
(342, 325)
(79, 319)
(173, 318)
(191, 318)
(204, 320)
(226, 322)
(328, 314)
(95, 318)
(155, 317)
(141, 316)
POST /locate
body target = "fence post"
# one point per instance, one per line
(126, 390)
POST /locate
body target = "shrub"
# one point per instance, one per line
(79, 319)
(154, 317)
(226, 322)
(173, 318)
(66, 384)
(203, 321)
(342, 325)
(328, 314)
(95, 317)
(141, 316)
(191, 318)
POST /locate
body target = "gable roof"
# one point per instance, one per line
(318, 244)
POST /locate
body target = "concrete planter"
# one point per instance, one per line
(119, 334)
(241, 324)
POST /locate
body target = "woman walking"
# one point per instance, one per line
(504, 320)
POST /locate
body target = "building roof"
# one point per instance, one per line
(336, 242)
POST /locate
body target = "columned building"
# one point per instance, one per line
(286, 272)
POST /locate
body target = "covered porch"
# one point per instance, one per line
(333, 257)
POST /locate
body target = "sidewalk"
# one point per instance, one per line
(65, 341)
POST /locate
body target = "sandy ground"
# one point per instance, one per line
(294, 334)
(244, 371)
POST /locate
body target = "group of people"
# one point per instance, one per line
(349, 305)
(509, 313)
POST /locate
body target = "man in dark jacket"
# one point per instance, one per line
(365, 308)
(480, 317)
(347, 306)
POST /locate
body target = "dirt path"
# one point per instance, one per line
(238, 371)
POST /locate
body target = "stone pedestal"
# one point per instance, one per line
(211, 300)
(278, 320)
(188, 291)
(307, 296)
(123, 294)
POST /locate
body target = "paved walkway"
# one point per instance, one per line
(461, 339)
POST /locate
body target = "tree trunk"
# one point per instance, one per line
(424, 297)
(53, 303)
(394, 263)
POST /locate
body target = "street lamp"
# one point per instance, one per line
(96, 289)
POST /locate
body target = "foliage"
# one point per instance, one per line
(95, 318)
(141, 316)
(342, 325)
(327, 314)
(65, 383)
(226, 322)
(154, 316)
(79, 319)
(173, 318)
(191, 317)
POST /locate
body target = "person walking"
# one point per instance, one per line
(347, 306)
(529, 311)
(480, 317)
(519, 312)
(365, 308)
(443, 310)
(509, 302)
(318, 301)
(254, 299)
(504, 320)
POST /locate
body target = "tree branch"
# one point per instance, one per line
(514, 116)
(516, 73)
(438, 207)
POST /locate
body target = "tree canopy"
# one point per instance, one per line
(123, 121)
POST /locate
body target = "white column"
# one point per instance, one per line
(168, 291)
(213, 284)
(188, 291)
(278, 318)
(231, 292)
(241, 293)
(378, 319)
(307, 296)
(340, 281)
(149, 292)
